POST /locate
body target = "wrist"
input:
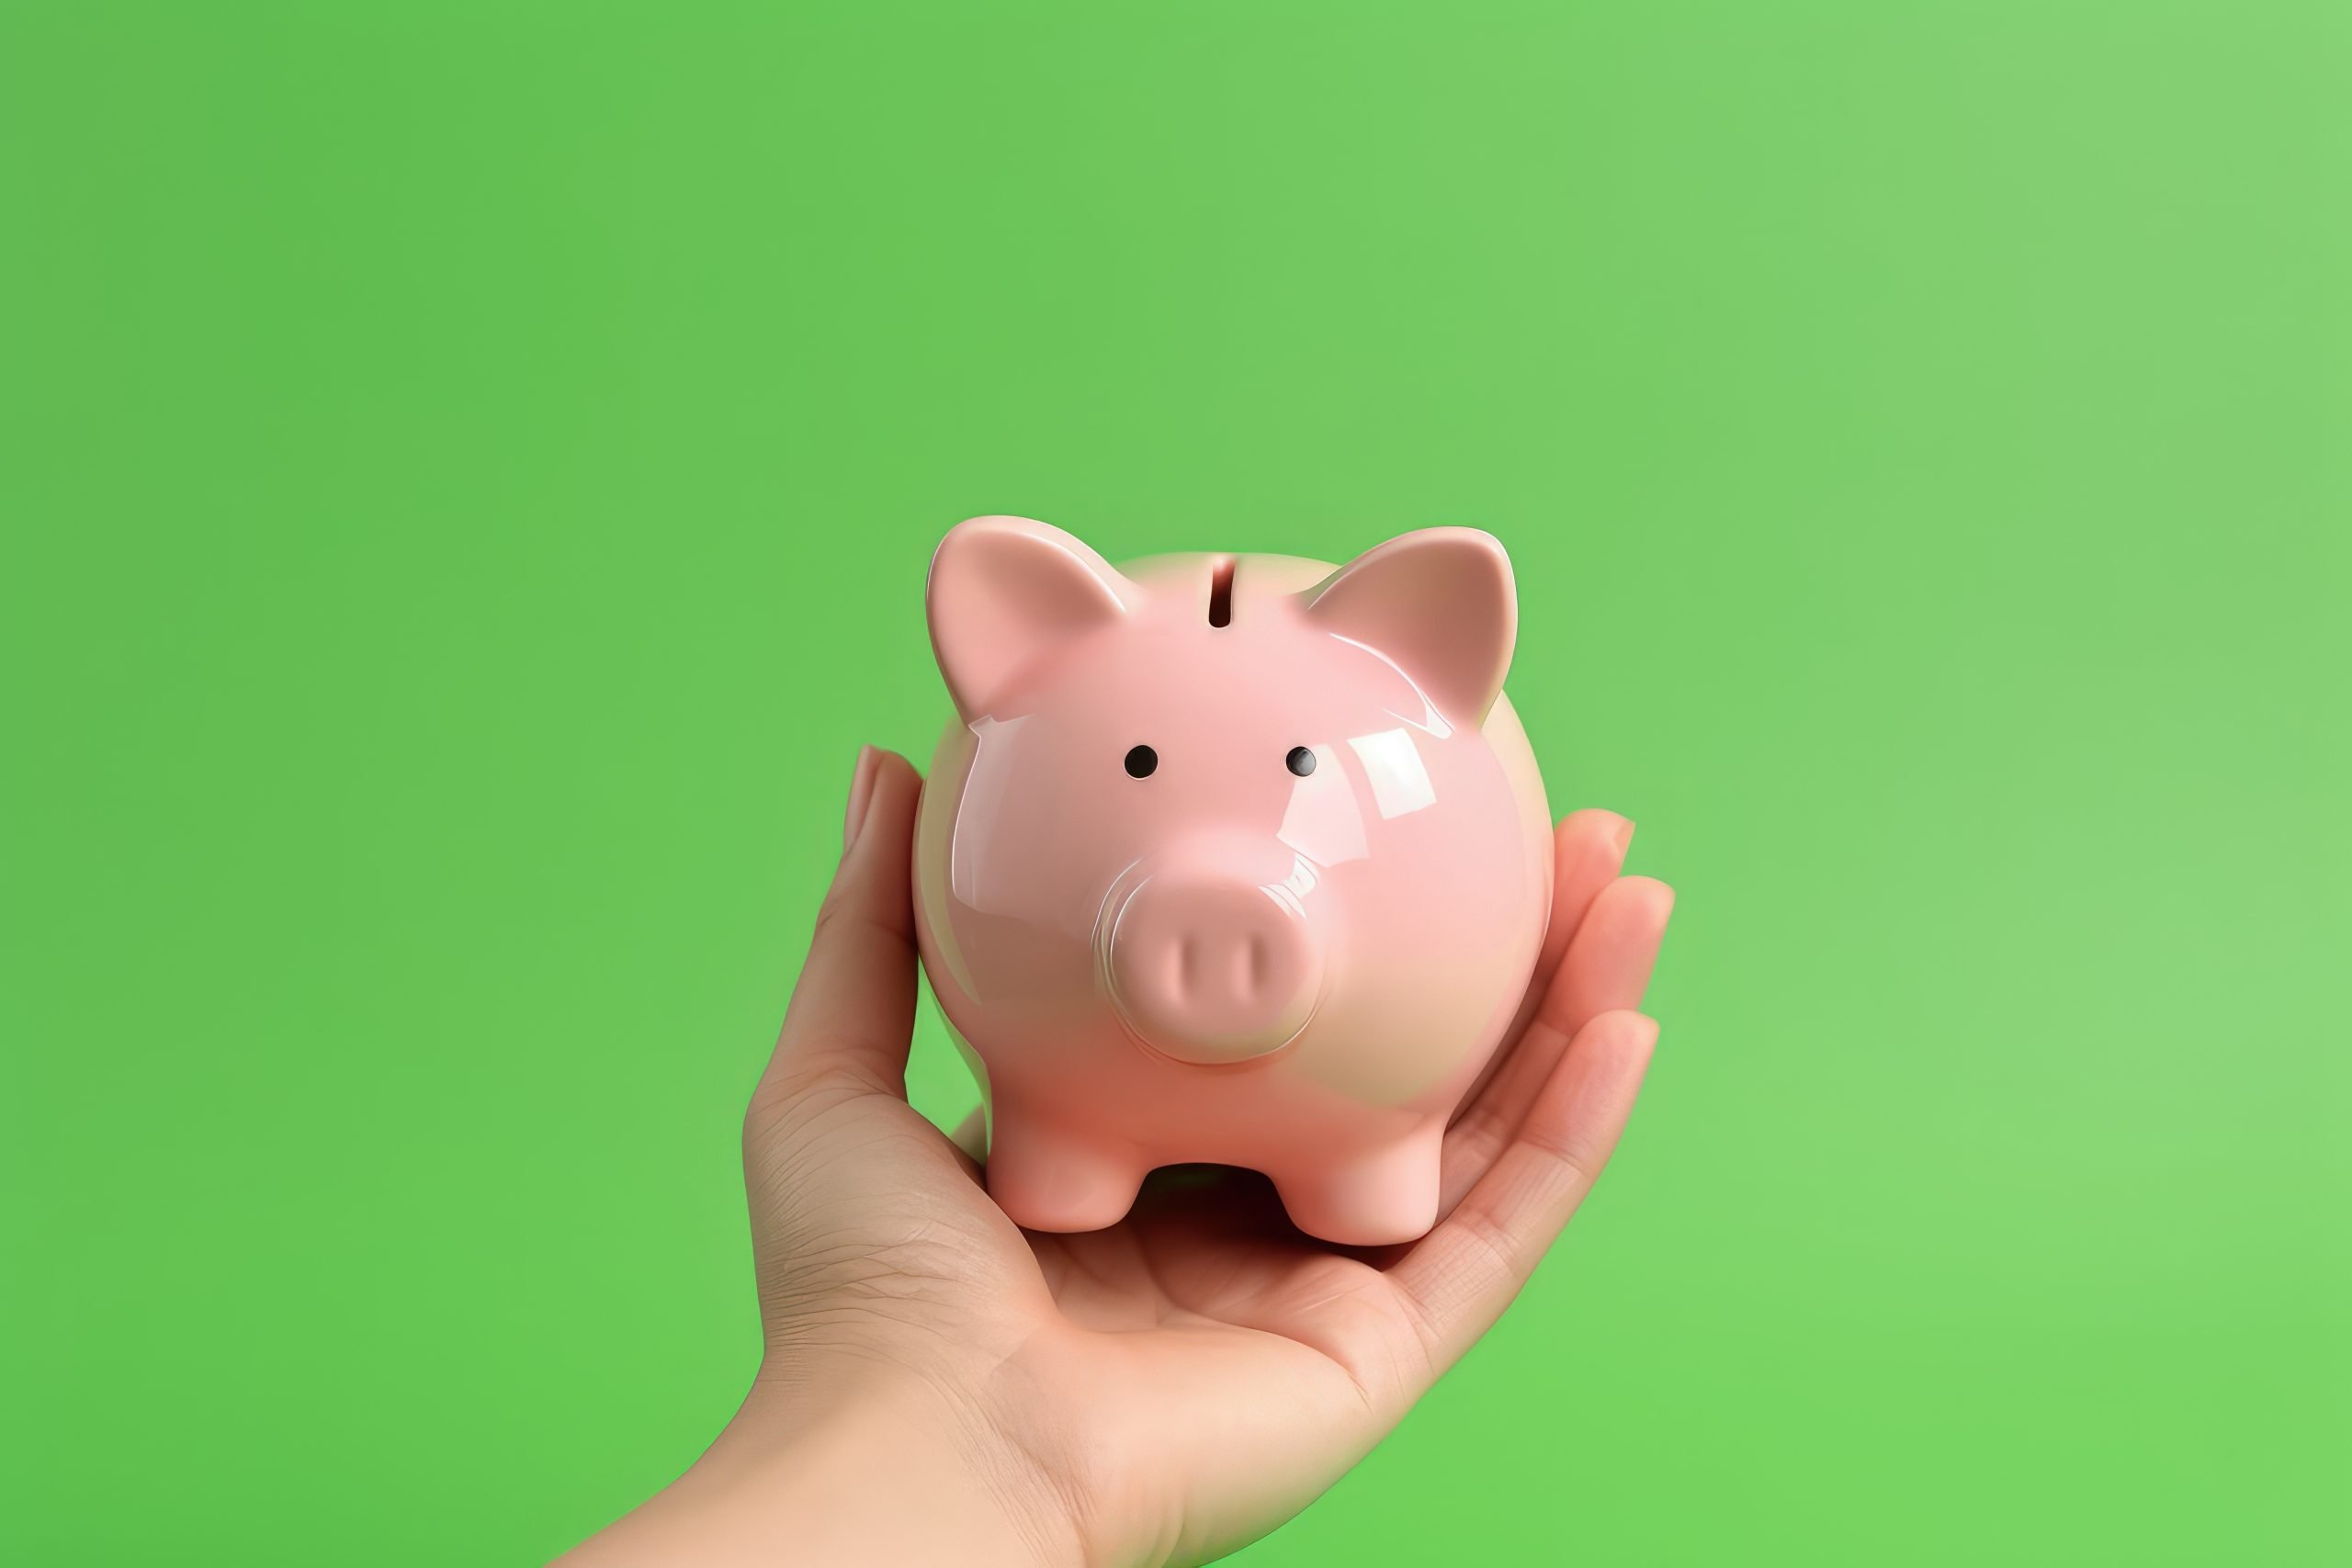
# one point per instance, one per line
(910, 1469)
(871, 1466)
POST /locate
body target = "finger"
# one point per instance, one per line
(1608, 965)
(1456, 1280)
(1607, 968)
(854, 1007)
(1587, 851)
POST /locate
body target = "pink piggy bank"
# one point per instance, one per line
(1230, 859)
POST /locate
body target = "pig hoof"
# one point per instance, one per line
(1388, 1198)
(1062, 1189)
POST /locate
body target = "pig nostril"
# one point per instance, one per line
(1185, 967)
(1253, 965)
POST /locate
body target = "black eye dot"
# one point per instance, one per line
(1141, 760)
(1300, 761)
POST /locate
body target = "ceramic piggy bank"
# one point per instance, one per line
(1230, 858)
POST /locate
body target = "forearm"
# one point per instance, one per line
(878, 1470)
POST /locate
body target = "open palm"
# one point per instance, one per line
(1180, 1383)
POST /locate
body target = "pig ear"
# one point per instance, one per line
(1005, 590)
(1440, 605)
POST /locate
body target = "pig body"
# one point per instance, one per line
(1241, 859)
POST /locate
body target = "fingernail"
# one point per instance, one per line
(861, 795)
(1624, 835)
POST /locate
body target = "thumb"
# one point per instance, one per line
(852, 1009)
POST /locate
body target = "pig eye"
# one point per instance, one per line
(1300, 761)
(1141, 760)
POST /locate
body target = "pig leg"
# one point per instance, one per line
(1057, 1179)
(1379, 1195)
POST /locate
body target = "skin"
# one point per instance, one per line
(941, 1385)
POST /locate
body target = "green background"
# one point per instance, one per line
(468, 476)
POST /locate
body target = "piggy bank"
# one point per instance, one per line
(1230, 859)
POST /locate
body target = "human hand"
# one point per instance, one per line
(938, 1382)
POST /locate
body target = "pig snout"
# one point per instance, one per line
(1208, 965)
